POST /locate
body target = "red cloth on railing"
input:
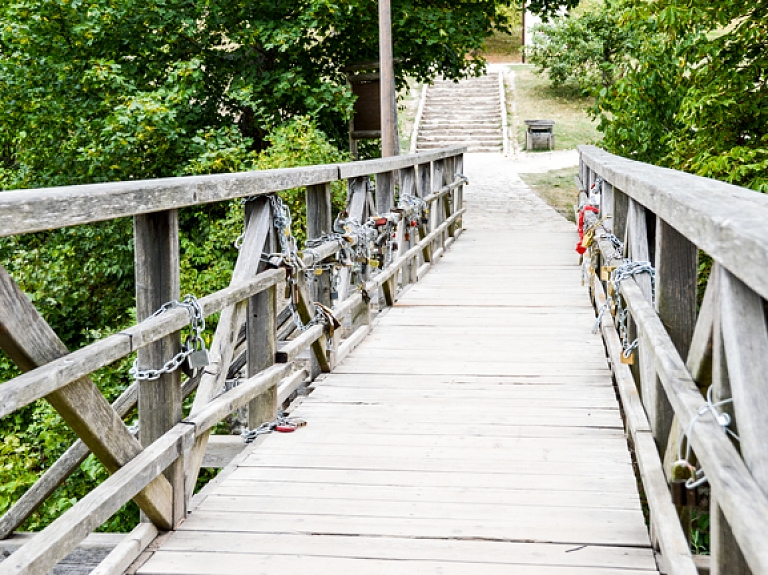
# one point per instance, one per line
(580, 249)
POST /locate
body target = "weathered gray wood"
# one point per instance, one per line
(127, 550)
(49, 208)
(379, 165)
(257, 229)
(435, 211)
(156, 248)
(725, 221)
(290, 384)
(459, 169)
(29, 342)
(745, 336)
(745, 345)
(55, 374)
(620, 213)
(58, 539)
(727, 558)
(216, 410)
(676, 274)
(385, 192)
(424, 189)
(221, 450)
(298, 345)
(261, 330)
(68, 463)
(606, 206)
(390, 140)
(743, 502)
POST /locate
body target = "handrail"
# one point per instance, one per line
(664, 217)
(25, 211)
(725, 221)
(62, 377)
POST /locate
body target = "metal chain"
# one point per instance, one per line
(625, 271)
(281, 423)
(697, 476)
(192, 344)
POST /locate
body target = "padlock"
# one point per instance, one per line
(199, 357)
(610, 289)
(318, 271)
(394, 246)
(407, 236)
(628, 360)
(605, 273)
(373, 263)
(334, 294)
(681, 471)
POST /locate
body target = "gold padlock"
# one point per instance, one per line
(628, 360)
(373, 263)
(589, 237)
(605, 273)
(318, 271)
(610, 289)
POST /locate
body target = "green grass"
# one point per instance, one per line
(557, 188)
(535, 99)
(503, 47)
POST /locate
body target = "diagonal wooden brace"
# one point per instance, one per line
(30, 342)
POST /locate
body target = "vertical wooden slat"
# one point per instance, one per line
(261, 330)
(407, 188)
(436, 211)
(606, 206)
(620, 213)
(423, 189)
(459, 169)
(156, 240)
(727, 558)
(319, 223)
(385, 192)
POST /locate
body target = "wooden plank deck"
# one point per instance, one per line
(475, 430)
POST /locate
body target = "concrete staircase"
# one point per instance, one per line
(467, 113)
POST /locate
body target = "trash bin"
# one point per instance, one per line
(540, 135)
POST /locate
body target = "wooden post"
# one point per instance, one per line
(447, 201)
(423, 189)
(389, 137)
(261, 329)
(459, 169)
(385, 192)
(320, 223)
(436, 209)
(606, 206)
(620, 211)
(156, 240)
(408, 188)
(727, 558)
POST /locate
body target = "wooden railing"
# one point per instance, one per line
(668, 218)
(159, 470)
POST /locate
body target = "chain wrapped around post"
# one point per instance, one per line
(193, 349)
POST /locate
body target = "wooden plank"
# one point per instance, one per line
(380, 165)
(58, 373)
(725, 221)
(63, 535)
(127, 550)
(743, 502)
(215, 564)
(232, 317)
(595, 528)
(156, 249)
(25, 211)
(221, 450)
(745, 335)
(511, 553)
(261, 330)
(29, 341)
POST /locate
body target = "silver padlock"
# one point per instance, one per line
(198, 358)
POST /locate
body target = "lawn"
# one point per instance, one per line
(530, 97)
(557, 188)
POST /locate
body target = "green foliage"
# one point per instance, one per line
(686, 88)
(81, 280)
(581, 49)
(101, 90)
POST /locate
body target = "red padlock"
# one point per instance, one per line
(285, 428)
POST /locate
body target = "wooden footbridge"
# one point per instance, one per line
(490, 414)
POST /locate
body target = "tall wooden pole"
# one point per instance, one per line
(389, 139)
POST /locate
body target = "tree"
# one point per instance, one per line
(96, 90)
(581, 49)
